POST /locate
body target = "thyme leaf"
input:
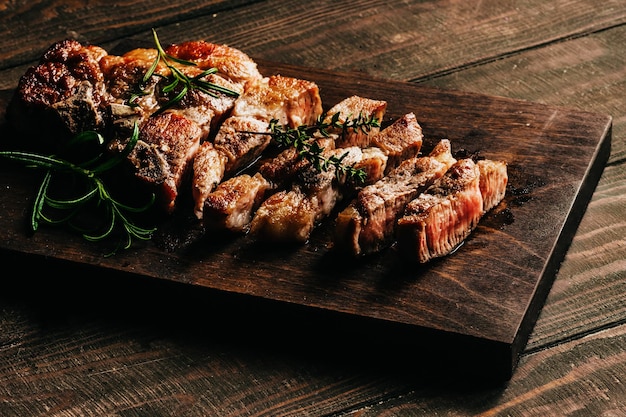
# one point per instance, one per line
(90, 192)
(302, 138)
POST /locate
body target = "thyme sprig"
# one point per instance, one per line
(92, 193)
(302, 138)
(176, 79)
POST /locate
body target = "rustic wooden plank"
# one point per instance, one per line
(587, 73)
(581, 377)
(135, 347)
(398, 40)
(132, 347)
(28, 27)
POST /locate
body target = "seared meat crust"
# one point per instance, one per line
(367, 224)
(64, 90)
(437, 221)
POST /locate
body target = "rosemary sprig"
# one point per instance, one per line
(302, 139)
(177, 79)
(95, 193)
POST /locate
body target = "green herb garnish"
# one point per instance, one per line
(177, 79)
(92, 192)
(302, 138)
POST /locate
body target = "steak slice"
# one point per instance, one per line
(64, 92)
(291, 215)
(352, 108)
(493, 182)
(367, 224)
(442, 217)
(231, 204)
(291, 101)
(208, 169)
(399, 141)
(241, 138)
(280, 170)
(163, 154)
(231, 63)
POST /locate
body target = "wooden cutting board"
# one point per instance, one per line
(467, 314)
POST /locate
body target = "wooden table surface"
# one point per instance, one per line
(79, 342)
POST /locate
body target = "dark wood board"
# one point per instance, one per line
(469, 312)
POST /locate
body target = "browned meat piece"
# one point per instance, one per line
(399, 141)
(367, 224)
(291, 215)
(64, 91)
(240, 138)
(240, 141)
(231, 63)
(163, 154)
(374, 163)
(286, 216)
(281, 169)
(235, 147)
(231, 204)
(209, 166)
(436, 222)
(124, 76)
(493, 182)
(352, 108)
(291, 101)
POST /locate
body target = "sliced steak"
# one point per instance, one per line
(493, 181)
(399, 141)
(65, 92)
(231, 205)
(367, 224)
(440, 219)
(291, 215)
(352, 108)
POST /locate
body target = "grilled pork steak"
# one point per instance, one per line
(437, 221)
(291, 215)
(207, 139)
(231, 205)
(64, 91)
(240, 139)
(352, 108)
(493, 181)
(367, 224)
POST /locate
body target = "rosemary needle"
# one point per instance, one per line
(94, 194)
(178, 79)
